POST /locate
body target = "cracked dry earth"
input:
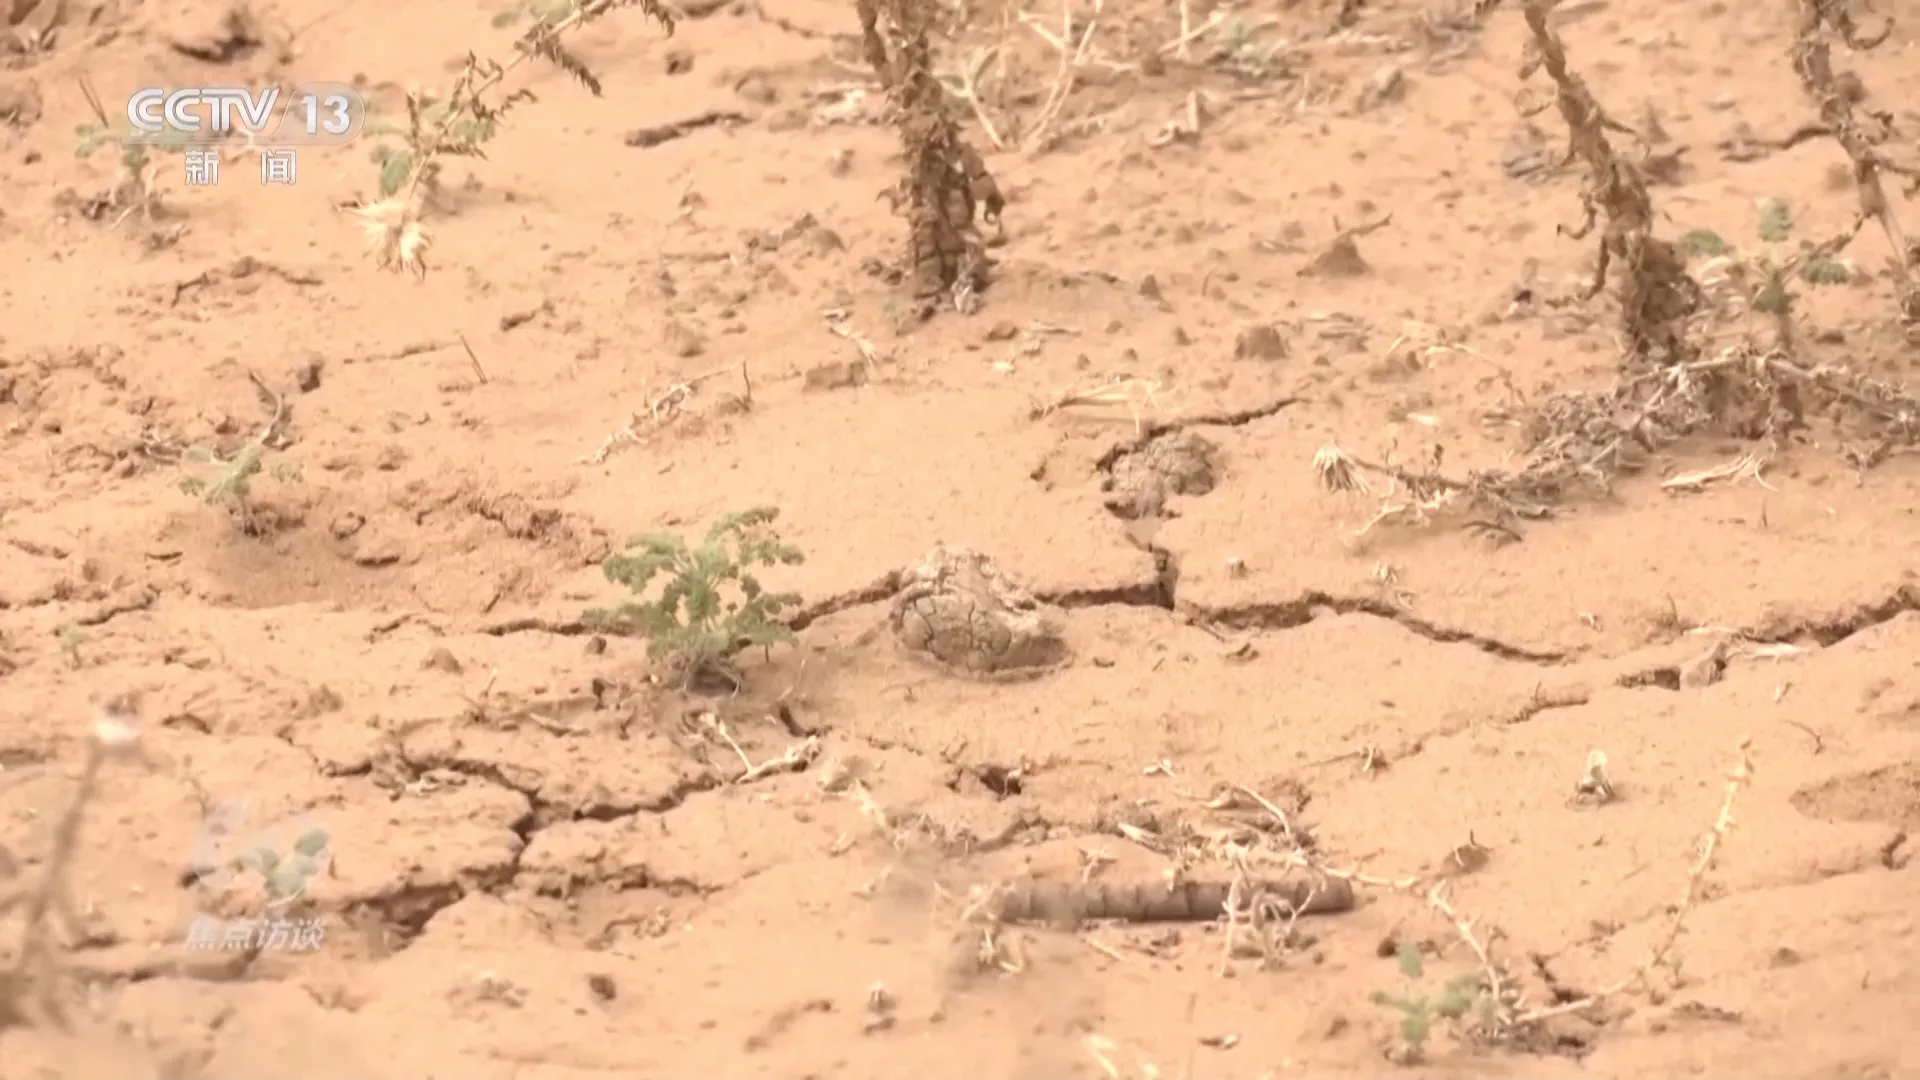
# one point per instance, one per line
(542, 869)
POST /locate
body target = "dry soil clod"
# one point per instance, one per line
(959, 611)
(1140, 480)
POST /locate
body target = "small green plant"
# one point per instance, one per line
(1703, 242)
(1764, 277)
(460, 122)
(1419, 1011)
(136, 189)
(72, 636)
(692, 624)
(286, 875)
(1776, 221)
(229, 481)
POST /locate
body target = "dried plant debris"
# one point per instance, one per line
(959, 611)
(1819, 22)
(945, 186)
(1656, 296)
(1140, 479)
(1579, 443)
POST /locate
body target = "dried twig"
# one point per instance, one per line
(1663, 946)
(1583, 442)
(794, 759)
(458, 126)
(663, 409)
(1506, 1013)
(1074, 53)
(1135, 394)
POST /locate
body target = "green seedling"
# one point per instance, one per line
(286, 874)
(1767, 274)
(712, 604)
(228, 482)
(136, 189)
(72, 636)
(1418, 1011)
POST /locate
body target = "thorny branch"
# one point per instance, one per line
(946, 184)
(1656, 297)
(1819, 22)
(459, 125)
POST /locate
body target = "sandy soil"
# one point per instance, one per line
(544, 864)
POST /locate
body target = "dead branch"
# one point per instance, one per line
(1657, 296)
(1580, 443)
(1819, 22)
(946, 184)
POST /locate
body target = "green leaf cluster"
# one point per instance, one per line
(229, 481)
(711, 604)
(286, 875)
(1418, 1013)
(1811, 263)
(134, 156)
(456, 127)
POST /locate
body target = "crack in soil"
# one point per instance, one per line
(1832, 631)
(1151, 431)
(1290, 614)
(1159, 593)
(406, 909)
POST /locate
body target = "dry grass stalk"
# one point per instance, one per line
(946, 184)
(1137, 395)
(1661, 952)
(30, 988)
(663, 409)
(1656, 297)
(465, 119)
(1075, 52)
(1819, 22)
